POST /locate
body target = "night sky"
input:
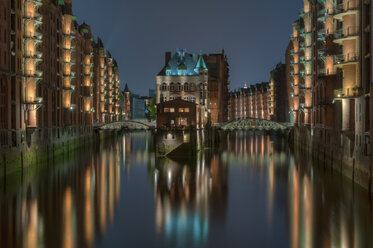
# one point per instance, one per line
(254, 34)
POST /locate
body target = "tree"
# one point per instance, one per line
(150, 113)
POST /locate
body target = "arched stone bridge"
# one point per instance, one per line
(130, 125)
(254, 124)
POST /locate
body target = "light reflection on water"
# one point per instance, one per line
(252, 192)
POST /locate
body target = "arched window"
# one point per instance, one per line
(164, 87)
(178, 88)
(186, 87)
(172, 87)
(191, 86)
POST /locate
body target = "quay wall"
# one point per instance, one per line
(41, 147)
(337, 151)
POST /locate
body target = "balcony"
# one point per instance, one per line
(37, 3)
(32, 104)
(33, 16)
(33, 36)
(37, 56)
(33, 74)
(350, 7)
(69, 75)
(349, 33)
(321, 32)
(351, 93)
(321, 13)
(294, 73)
(346, 59)
(69, 88)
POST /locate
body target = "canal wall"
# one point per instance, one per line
(40, 147)
(336, 151)
(185, 143)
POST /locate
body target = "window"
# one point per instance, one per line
(178, 88)
(172, 87)
(181, 110)
(186, 110)
(172, 110)
(164, 87)
(186, 87)
(166, 110)
(191, 86)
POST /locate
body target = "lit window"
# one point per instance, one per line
(186, 110)
(172, 110)
(181, 110)
(166, 110)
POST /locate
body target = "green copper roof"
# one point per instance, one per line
(61, 2)
(201, 63)
(84, 30)
(182, 66)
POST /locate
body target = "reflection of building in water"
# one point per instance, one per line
(325, 212)
(188, 197)
(66, 209)
(137, 146)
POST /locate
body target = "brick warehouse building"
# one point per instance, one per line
(332, 73)
(48, 79)
(185, 76)
(278, 94)
(332, 82)
(176, 114)
(250, 102)
(218, 86)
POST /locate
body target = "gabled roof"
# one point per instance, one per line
(126, 89)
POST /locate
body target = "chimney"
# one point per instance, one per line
(168, 57)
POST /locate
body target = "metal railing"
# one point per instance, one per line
(346, 58)
(346, 6)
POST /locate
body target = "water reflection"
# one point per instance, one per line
(252, 192)
(187, 197)
(67, 208)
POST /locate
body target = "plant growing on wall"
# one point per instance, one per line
(150, 113)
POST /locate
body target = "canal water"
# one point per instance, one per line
(251, 192)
